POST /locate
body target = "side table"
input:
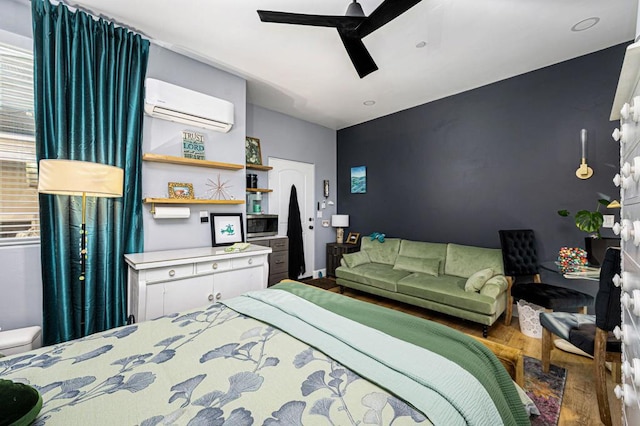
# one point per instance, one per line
(334, 254)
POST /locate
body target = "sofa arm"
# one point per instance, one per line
(496, 286)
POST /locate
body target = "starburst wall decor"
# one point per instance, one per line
(219, 190)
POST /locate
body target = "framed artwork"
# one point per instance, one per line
(353, 238)
(192, 145)
(181, 190)
(359, 180)
(226, 229)
(252, 151)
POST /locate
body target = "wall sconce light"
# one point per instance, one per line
(584, 171)
(325, 188)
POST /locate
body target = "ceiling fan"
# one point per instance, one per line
(352, 27)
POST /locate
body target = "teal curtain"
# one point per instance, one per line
(88, 84)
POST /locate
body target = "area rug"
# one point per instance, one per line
(545, 389)
(325, 283)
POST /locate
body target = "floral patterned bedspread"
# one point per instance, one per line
(211, 366)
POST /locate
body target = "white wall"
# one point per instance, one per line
(165, 137)
(289, 138)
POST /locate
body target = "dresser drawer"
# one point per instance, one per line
(213, 266)
(169, 273)
(248, 262)
(279, 262)
(279, 244)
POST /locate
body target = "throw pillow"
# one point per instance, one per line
(356, 259)
(417, 264)
(491, 290)
(498, 280)
(476, 281)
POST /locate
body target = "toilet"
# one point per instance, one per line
(20, 340)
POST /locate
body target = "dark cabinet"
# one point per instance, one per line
(334, 255)
(278, 259)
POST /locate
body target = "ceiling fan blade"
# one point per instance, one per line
(349, 22)
(358, 53)
(386, 12)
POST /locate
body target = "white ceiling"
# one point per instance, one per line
(305, 72)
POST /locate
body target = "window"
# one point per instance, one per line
(19, 219)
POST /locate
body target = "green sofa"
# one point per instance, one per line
(463, 281)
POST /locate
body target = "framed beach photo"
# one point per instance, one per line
(226, 229)
(181, 190)
(359, 180)
(252, 151)
(353, 238)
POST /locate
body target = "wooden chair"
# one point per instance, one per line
(521, 264)
(592, 333)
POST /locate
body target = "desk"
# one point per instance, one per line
(583, 273)
(550, 274)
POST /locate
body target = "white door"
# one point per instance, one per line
(284, 174)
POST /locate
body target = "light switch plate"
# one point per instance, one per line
(608, 220)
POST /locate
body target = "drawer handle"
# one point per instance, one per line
(172, 273)
(214, 266)
(250, 261)
(279, 262)
(218, 296)
(210, 298)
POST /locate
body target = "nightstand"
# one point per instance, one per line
(334, 254)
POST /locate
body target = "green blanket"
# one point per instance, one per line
(473, 356)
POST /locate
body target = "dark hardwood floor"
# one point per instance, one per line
(579, 405)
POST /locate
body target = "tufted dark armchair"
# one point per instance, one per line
(521, 269)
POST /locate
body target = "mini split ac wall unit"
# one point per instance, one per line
(174, 103)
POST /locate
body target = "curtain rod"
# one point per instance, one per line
(96, 16)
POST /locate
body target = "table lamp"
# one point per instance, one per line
(340, 221)
(80, 178)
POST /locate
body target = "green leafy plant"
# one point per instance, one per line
(588, 221)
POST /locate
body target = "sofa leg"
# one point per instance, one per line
(485, 331)
(341, 289)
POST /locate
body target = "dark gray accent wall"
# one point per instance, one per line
(502, 156)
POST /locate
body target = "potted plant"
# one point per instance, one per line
(591, 222)
(588, 221)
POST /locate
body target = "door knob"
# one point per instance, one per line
(311, 227)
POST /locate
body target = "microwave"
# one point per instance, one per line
(262, 225)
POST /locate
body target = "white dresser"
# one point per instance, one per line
(164, 282)
(626, 108)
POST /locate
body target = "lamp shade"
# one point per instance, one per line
(72, 177)
(340, 220)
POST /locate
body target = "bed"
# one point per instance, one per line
(288, 355)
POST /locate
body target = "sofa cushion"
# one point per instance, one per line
(447, 290)
(356, 258)
(417, 264)
(477, 280)
(425, 250)
(378, 252)
(464, 261)
(373, 274)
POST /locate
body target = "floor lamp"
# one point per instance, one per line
(80, 178)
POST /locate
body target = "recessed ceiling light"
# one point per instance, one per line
(369, 103)
(585, 24)
(421, 44)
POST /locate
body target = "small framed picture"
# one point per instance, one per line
(353, 238)
(226, 229)
(359, 180)
(252, 151)
(181, 190)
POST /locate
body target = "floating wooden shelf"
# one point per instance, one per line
(259, 190)
(159, 158)
(189, 201)
(257, 167)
